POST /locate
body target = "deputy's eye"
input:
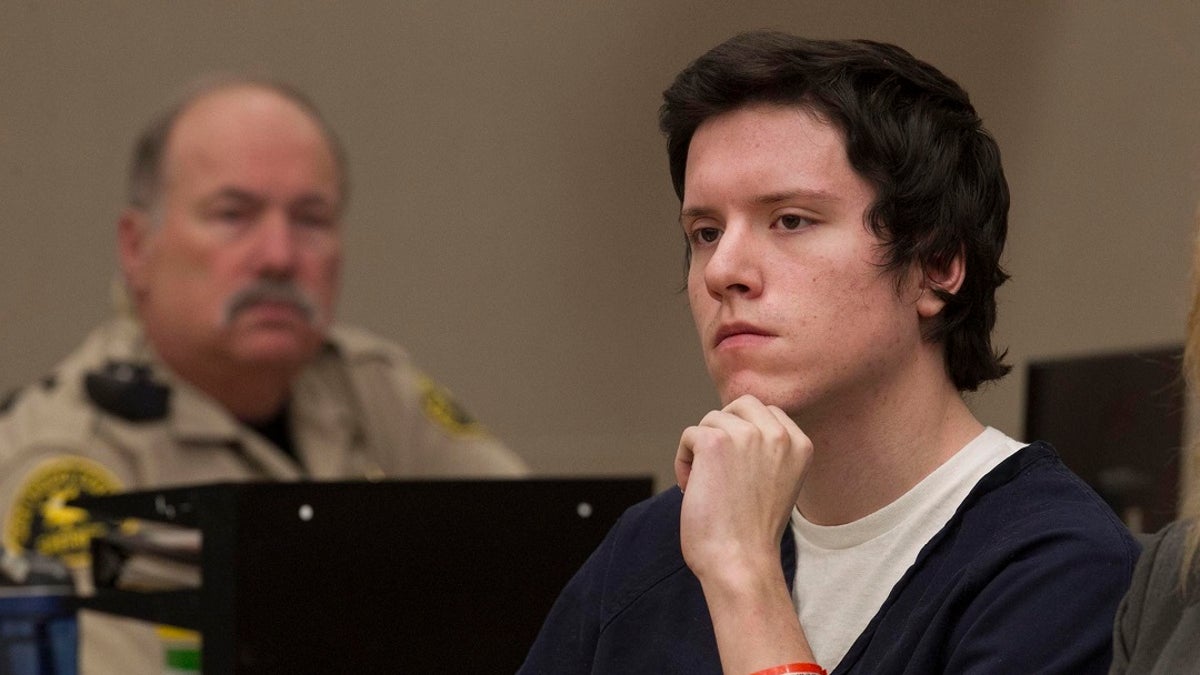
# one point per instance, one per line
(233, 212)
(314, 220)
(231, 215)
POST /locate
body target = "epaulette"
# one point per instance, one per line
(48, 383)
(9, 400)
(128, 390)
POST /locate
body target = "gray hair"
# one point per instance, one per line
(146, 167)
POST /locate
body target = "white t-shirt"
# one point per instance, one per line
(845, 572)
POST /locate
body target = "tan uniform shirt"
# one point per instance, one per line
(111, 417)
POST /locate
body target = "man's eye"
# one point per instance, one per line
(229, 214)
(791, 221)
(228, 211)
(705, 235)
(316, 221)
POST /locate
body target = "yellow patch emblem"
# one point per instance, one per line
(40, 519)
(444, 411)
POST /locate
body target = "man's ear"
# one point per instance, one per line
(133, 236)
(947, 278)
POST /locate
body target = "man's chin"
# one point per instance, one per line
(277, 347)
(769, 393)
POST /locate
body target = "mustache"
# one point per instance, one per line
(271, 290)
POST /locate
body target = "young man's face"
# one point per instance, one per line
(250, 196)
(786, 285)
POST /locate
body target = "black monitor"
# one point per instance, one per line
(384, 577)
(1117, 420)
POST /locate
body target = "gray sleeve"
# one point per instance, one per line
(1156, 622)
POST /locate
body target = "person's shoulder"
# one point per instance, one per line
(105, 375)
(52, 409)
(50, 426)
(1032, 497)
(34, 398)
(652, 522)
(1163, 557)
(50, 453)
(643, 548)
(1034, 480)
(355, 345)
(1156, 622)
(380, 367)
(1171, 540)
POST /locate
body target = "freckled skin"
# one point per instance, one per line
(839, 325)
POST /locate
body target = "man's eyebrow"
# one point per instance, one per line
(768, 199)
(771, 198)
(306, 200)
(234, 193)
(695, 212)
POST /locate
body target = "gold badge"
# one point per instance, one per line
(41, 520)
(444, 411)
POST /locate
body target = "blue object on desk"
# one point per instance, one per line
(38, 632)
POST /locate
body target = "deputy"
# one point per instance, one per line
(226, 364)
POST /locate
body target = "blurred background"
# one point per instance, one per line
(512, 221)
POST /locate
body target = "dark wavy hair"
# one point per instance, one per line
(910, 131)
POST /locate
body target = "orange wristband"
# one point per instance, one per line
(793, 669)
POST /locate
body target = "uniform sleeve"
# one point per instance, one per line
(1157, 623)
(1048, 605)
(1129, 613)
(418, 428)
(37, 485)
(449, 438)
(42, 468)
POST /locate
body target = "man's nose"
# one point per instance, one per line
(276, 250)
(735, 266)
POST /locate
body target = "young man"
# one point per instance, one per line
(844, 213)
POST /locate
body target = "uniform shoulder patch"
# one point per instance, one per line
(41, 521)
(441, 408)
(9, 400)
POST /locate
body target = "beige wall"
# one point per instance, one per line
(513, 223)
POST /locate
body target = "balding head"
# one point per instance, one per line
(146, 171)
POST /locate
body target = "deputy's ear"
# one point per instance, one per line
(948, 278)
(133, 234)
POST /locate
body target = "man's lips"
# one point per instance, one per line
(275, 310)
(739, 333)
